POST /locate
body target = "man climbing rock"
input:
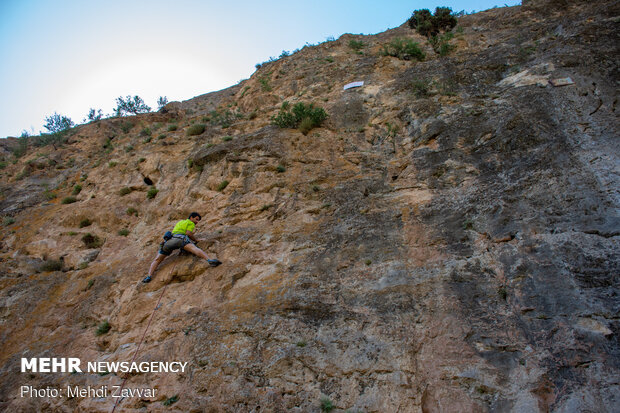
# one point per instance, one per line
(182, 238)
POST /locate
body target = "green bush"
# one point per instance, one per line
(152, 192)
(326, 404)
(76, 189)
(49, 195)
(172, 127)
(103, 328)
(69, 200)
(91, 241)
(264, 83)
(306, 126)
(126, 126)
(280, 168)
(420, 88)
(55, 139)
(302, 116)
(222, 185)
(446, 88)
(356, 45)
(6, 221)
(85, 223)
(22, 146)
(440, 43)
(107, 145)
(124, 232)
(284, 119)
(132, 211)
(196, 129)
(145, 132)
(224, 118)
(404, 49)
(124, 191)
(430, 25)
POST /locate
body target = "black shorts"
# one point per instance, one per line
(177, 242)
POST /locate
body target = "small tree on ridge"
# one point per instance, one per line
(130, 105)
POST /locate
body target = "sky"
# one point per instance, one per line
(67, 56)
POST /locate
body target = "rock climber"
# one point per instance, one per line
(182, 238)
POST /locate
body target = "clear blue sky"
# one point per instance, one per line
(67, 56)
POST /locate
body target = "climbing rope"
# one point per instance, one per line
(140, 344)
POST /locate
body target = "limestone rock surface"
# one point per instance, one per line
(447, 241)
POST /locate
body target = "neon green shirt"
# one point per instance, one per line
(183, 226)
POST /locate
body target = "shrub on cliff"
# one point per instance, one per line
(441, 43)
(222, 186)
(356, 45)
(22, 146)
(404, 49)
(152, 192)
(302, 116)
(326, 404)
(91, 241)
(224, 118)
(430, 25)
(196, 129)
(103, 328)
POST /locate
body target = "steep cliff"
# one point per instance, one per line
(448, 240)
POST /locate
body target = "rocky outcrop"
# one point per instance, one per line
(448, 241)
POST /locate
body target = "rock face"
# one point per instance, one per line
(447, 241)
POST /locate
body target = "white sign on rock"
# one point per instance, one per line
(354, 84)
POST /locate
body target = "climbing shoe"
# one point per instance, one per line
(147, 279)
(214, 263)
